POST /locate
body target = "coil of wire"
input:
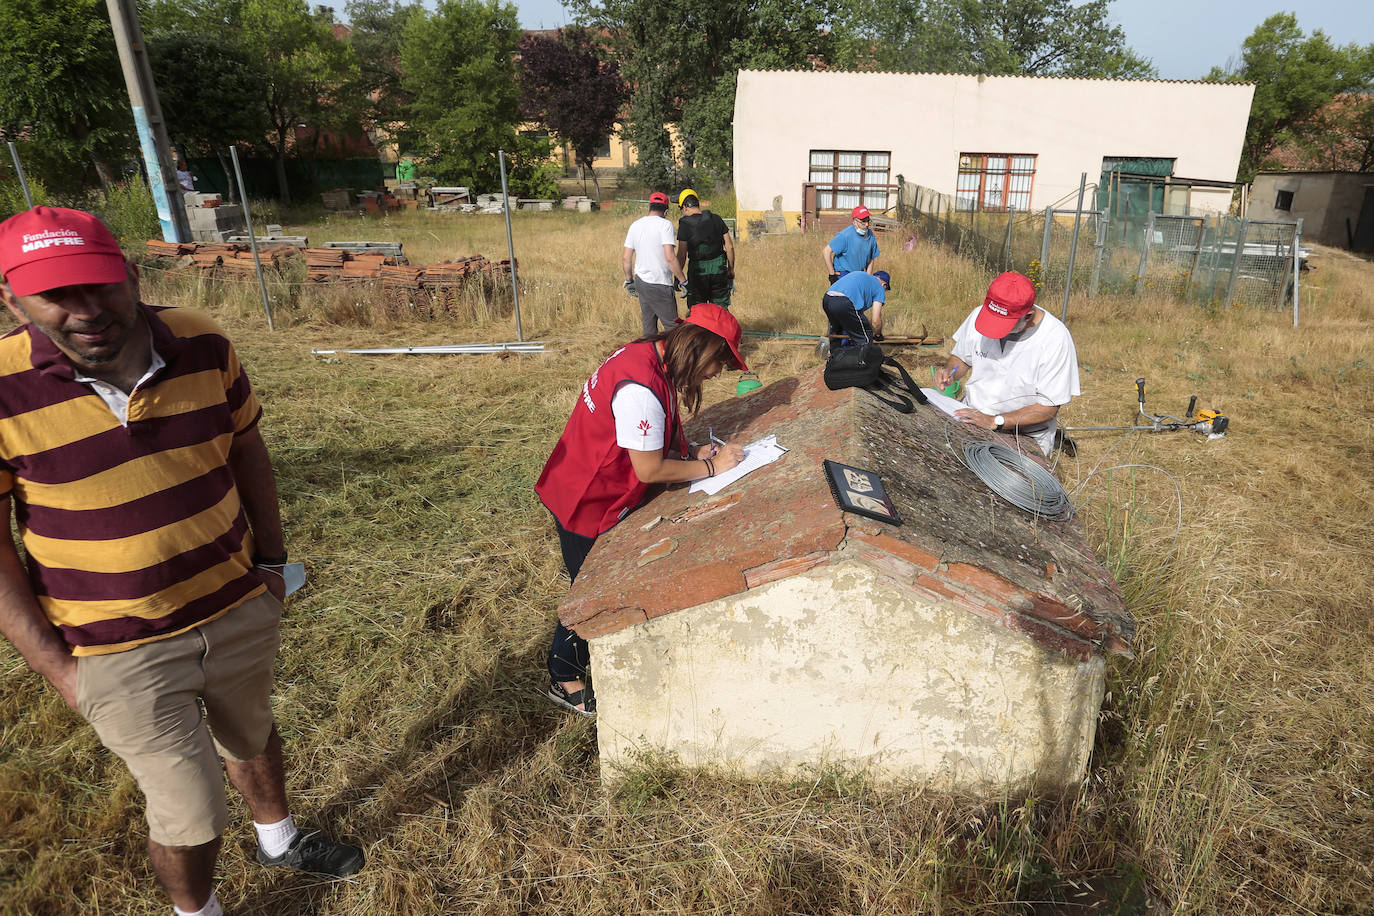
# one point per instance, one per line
(1018, 479)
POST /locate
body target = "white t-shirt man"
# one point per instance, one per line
(1037, 366)
(647, 236)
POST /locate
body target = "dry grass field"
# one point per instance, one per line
(1234, 768)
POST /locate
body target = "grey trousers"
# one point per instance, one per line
(656, 304)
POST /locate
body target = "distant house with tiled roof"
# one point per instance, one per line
(808, 144)
(763, 629)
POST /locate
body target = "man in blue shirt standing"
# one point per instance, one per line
(853, 248)
(849, 303)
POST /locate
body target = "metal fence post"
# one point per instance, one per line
(1045, 245)
(1297, 267)
(1099, 248)
(1145, 244)
(1235, 262)
(1073, 246)
(19, 172)
(1197, 256)
(1006, 239)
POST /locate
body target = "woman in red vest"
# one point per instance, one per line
(625, 435)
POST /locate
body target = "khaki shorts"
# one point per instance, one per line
(152, 704)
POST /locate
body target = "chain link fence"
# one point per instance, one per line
(1210, 260)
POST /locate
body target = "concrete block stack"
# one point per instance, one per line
(213, 220)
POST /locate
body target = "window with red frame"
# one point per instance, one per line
(994, 181)
(846, 178)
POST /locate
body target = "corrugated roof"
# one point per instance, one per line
(1012, 76)
(957, 543)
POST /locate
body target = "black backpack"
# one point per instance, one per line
(861, 366)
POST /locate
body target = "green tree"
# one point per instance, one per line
(307, 71)
(62, 91)
(1296, 76)
(378, 31)
(572, 90)
(458, 64)
(210, 91)
(682, 58)
(996, 37)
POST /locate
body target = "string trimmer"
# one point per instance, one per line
(1210, 422)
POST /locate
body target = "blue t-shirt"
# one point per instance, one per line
(853, 251)
(862, 289)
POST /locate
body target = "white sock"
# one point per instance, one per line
(276, 838)
(211, 908)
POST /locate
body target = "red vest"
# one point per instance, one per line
(588, 482)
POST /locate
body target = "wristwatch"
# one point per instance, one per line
(997, 421)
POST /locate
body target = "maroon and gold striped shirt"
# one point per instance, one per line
(133, 533)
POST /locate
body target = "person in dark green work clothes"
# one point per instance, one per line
(705, 251)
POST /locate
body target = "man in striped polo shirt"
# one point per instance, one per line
(147, 506)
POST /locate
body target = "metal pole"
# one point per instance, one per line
(1145, 244)
(1006, 240)
(510, 246)
(1235, 262)
(252, 239)
(1073, 246)
(1297, 266)
(19, 170)
(1197, 256)
(1045, 244)
(152, 130)
(1099, 246)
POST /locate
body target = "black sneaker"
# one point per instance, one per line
(313, 853)
(581, 702)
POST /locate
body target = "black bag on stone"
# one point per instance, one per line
(861, 366)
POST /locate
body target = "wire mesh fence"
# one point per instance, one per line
(1211, 260)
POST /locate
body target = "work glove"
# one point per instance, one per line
(833, 278)
(630, 289)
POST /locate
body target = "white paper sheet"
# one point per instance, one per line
(943, 401)
(756, 455)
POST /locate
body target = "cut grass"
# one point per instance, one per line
(1232, 772)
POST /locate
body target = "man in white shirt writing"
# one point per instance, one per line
(1023, 363)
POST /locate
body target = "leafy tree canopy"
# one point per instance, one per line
(458, 64)
(62, 93)
(1296, 76)
(567, 86)
(996, 37)
(378, 31)
(682, 57)
(210, 90)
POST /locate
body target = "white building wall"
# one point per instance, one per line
(843, 667)
(926, 120)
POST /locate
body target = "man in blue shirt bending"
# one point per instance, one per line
(853, 248)
(849, 303)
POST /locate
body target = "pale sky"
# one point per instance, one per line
(1184, 38)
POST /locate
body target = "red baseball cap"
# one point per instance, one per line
(1010, 296)
(48, 247)
(719, 321)
(658, 197)
(859, 212)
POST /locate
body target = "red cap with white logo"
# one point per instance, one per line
(48, 247)
(1010, 296)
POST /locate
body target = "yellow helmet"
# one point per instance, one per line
(686, 193)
